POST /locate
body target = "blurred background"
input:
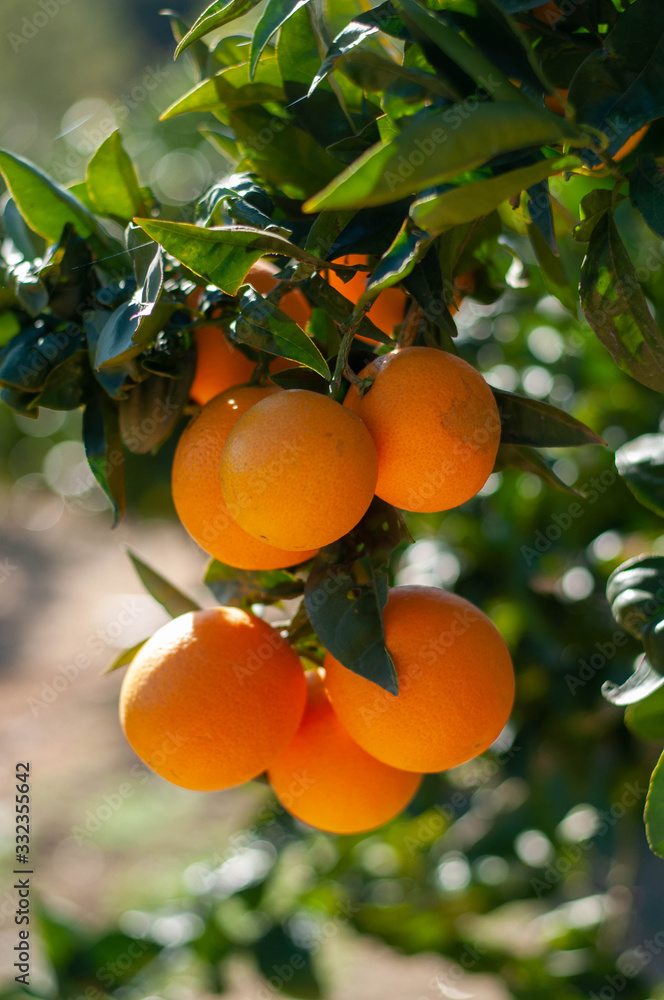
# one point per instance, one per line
(523, 874)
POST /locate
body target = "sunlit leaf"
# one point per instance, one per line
(167, 594)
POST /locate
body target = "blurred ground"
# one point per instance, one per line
(110, 837)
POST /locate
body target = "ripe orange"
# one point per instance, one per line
(220, 364)
(436, 426)
(456, 684)
(388, 309)
(196, 485)
(631, 144)
(325, 779)
(298, 470)
(212, 698)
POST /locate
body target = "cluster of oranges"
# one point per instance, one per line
(262, 479)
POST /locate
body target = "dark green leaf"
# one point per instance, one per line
(111, 380)
(594, 207)
(325, 231)
(67, 383)
(171, 599)
(635, 591)
(215, 16)
(30, 356)
(265, 327)
(436, 148)
(541, 214)
(45, 206)
(381, 18)
(528, 460)
(408, 247)
(136, 322)
(112, 183)
(438, 212)
(646, 192)
(103, 449)
(616, 307)
(654, 814)
(340, 308)
(301, 378)
(532, 422)
(553, 273)
(643, 682)
(641, 465)
(25, 241)
(275, 14)
(348, 617)
(198, 52)
(241, 588)
(620, 86)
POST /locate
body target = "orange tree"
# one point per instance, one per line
(500, 153)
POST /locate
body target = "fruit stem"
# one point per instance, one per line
(342, 367)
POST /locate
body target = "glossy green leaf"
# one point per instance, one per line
(348, 617)
(242, 588)
(616, 307)
(646, 192)
(512, 456)
(136, 322)
(436, 148)
(641, 464)
(532, 422)
(380, 18)
(436, 213)
(644, 682)
(45, 206)
(218, 14)
(231, 88)
(654, 813)
(103, 450)
(556, 280)
(112, 182)
(409, 246)
(265, 327)
(171, 599)
(341, 309)
(198, 52)
(29, 357)
(275, 14)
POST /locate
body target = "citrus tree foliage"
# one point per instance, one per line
(441, 139)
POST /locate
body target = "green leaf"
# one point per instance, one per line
(616, 307)
(103, 449)
(125, 657)
(171, 599)
(222, 255)
(646, 192)
(553, 273)
(620, 86)
(231, 88)
(532, 422)
(654, 813)
(112, 183)
(265, 327)
(408, 247)
(325, 231)
(301, 981)
(136, 322)
(9, 326)
(436, 148)
(29, 358)
(215, 16)
(45, 206)
(381, 18)
(635, 591)
(276, 13)
(242, 588)
(641, 464)
(528, 460)
(348, 617)
(340, 308)
(645, 719)
(436, 213)
(301, 378)
(199, 54)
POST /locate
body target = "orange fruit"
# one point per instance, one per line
(298, 470)
(388, 309)
(456, 684)
(196, 485)
(554, 104)
(631, 144)
(220, 364)
(212, 698)
(325, 779)
(436, 426)
(548, 13)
